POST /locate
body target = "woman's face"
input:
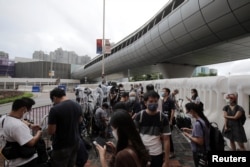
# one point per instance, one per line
(231, 98)
(190, 112)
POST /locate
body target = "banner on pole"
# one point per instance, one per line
(107, 46)
(99, 46)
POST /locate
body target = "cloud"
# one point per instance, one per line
(239, 67)
(74, 25)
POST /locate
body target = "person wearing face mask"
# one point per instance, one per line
(17, 131)
(200, 134)
(233, 127)
(195, 97)
(134, 103)
(154, 129)
(129, 150)
(168, 108)
(101, 119)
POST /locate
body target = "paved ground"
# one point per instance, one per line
(182, 147)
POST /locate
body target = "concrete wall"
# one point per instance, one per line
(211, 91)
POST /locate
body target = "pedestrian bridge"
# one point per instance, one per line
(184, 34)
(212, 91)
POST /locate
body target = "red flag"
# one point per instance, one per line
(99, 46)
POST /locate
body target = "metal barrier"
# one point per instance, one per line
(36, 115)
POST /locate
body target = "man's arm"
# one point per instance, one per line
(172, 116)
(35, 139)
(51, 129)
(166, 142)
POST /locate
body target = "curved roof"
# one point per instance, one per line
(184, 32)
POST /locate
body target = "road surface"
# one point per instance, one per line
(41, 99)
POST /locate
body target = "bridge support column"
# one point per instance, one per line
(175, 71)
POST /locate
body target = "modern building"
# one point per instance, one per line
(62, 56)
(41, 69)
(204, 71)
(7, 67)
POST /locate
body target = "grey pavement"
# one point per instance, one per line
(41, 99)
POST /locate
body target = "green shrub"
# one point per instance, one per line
(16, 95)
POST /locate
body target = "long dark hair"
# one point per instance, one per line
(195, 94)
(127, 134)
(199, 110)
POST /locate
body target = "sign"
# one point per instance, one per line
(107, 46)
(51, 73)
(99, 46)
(35, 89)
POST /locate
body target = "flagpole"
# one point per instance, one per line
(103, 41)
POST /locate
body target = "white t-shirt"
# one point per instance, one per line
(2, 139)
(15, 130)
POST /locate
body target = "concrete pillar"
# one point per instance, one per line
(175, 71)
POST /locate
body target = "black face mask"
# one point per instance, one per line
(152, 107)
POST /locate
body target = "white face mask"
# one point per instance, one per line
(25, 114)
(132, 98)
(190, 115)
(114, 133)
(228, 100)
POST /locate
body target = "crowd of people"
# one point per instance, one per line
(139, 121)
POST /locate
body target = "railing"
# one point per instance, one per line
(36, 115)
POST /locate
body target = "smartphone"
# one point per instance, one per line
(102, 142)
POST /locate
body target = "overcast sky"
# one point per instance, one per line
(74, 25)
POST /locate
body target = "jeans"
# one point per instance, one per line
(156, 160)
(65, 157)
(171, 141)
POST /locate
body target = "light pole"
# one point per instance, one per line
(51, 67)
(103, 41)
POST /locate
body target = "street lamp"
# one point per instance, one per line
(103, 42)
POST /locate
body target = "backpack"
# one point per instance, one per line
(243, 116)
(216, 139)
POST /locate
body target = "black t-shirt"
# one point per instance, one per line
(168, 106)
(65, 116)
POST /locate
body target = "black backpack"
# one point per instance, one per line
(217, 142)
(243, 116)
(216, 139)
